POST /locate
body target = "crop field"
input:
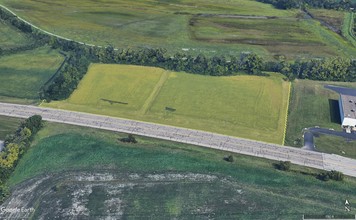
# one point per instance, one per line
(8, 125)
(187, 25)
(88, 172)
(312, 105)
(23, 74)
(11, 38)
(245, 106)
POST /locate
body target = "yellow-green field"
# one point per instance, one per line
(245, 106)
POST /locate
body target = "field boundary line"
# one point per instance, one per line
(286, 115)
(149, 101)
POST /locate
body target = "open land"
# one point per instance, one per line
(312, 105)
(98, 173)
(8, 125)
(186, 25)
(245, 106)
(11, 38)
(23, 74)
(330, 18)
(335, 145)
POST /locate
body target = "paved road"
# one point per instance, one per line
(183, 135)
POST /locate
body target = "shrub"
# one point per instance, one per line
(229, 158)
(283, 165)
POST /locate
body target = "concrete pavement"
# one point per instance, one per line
(200, 138)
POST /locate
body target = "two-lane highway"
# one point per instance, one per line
(200, 138)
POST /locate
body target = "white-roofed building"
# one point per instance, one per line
(347, 105)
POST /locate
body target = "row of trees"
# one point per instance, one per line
(16, 145)
(81, 55)
(327, 4)
(330, 69)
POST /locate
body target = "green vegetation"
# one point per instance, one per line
(264, 191)
(335, 145)
(312, 105)
(245, 106)
(124, 23)
(8, 125)
(347, 28)
(331, 18)
(290, 37)
(23, 74)
(16, 144)
(11, 37)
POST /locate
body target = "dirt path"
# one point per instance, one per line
(149, 101)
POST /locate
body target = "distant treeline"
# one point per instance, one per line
(16, 145)
(327, 4)
(81, 55)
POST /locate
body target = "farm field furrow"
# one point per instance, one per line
(245, 106)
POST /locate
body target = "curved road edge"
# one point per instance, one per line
(189, 136)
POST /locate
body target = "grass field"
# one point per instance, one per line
(336, 145)
(153, 23)
(8, 125)
(11, 38)
(248, 188)
(245, 106)
(331, 17)
(291, 37)
(23, 74)
(312, 105)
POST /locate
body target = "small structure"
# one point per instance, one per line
(347, 105)
(1, 145)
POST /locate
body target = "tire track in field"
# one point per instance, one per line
(149, 101)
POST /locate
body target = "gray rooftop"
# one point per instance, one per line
(349, 105)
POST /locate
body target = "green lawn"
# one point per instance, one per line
(335, 145)
(8, 125)
(154, 23)
(11, 37)
(312, 105)
(245, 106)
(23, 74)
(248, 188)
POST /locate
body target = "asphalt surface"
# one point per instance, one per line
(342, 90)
(350, 136)
(183, 135)
(309, 141)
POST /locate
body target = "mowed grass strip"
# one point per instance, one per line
(245, 106)
(23, 74)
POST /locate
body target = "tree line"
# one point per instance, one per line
(81, 55)
(327, 4)
(16, 145)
